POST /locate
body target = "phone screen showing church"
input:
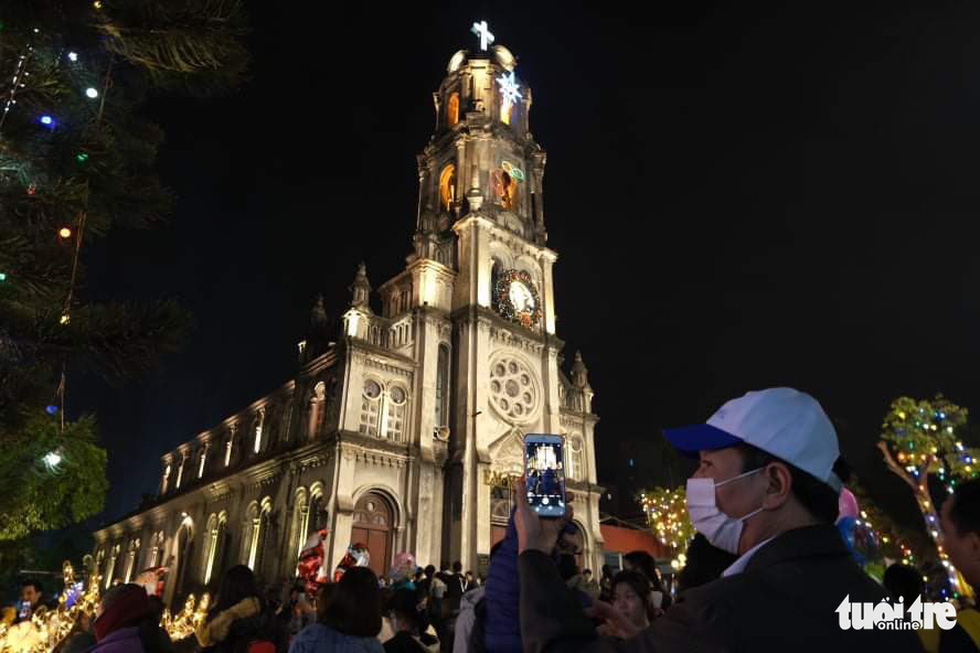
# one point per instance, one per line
(544, 467)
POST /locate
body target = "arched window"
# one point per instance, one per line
(318, 514)
(442, 388)
(447, 186)
(180, 469)
(229, 446)
(506, 112)
(452, 109)
(202, 465)
(576, 468)
(505, 188)
(300, 521)
(393, 424)
(214, 539)
(110, 568)
(156, 552)
(316, 410)
(370, 407)
(257, 425)
(166, 478)
(251, 533)
(132, 553)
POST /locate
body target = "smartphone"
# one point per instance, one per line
(544, 470)
(25, 610)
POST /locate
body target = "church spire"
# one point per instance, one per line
(482, 156)
(318, 315)
(580, 373)
(361, 289)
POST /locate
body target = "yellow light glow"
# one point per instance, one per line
(65, 233)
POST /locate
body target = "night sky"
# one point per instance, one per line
(740, 197)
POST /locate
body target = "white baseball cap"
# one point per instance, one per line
(784, 422)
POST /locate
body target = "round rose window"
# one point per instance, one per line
(513, 389)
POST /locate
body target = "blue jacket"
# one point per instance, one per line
(318, 638)
(503, 597)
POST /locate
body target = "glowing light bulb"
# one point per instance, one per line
(47, 120)
(64, 232)
(91, 92)
(73, 56)
(52, 459)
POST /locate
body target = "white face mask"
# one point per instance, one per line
(720, 530)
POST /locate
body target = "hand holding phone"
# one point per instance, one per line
(544, 473)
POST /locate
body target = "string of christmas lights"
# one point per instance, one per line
(666, 512)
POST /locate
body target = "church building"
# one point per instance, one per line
(403, 426)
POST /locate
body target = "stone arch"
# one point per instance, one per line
(531, 266)
(299, 521)
(375, 523)
(386, 491)
(132, 557)
(207, 557)
(181, 552)
(500, 252)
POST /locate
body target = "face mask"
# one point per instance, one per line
(720, 530)
(151, 588)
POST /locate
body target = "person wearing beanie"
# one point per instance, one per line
(117, 628)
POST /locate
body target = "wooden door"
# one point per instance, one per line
(373, 527)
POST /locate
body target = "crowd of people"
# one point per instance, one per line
(766, 571)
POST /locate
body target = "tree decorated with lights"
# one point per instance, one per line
(666, 512)
(922, 441)
(76, 160)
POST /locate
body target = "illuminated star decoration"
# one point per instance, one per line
(481, 30)
(510, 90)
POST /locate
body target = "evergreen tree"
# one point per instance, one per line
(76, 160)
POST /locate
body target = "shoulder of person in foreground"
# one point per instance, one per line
(216, 630)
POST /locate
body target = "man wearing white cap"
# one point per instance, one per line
(765, 489)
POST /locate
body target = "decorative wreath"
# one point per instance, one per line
(501, 298)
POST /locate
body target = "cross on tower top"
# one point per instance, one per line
(482, 31)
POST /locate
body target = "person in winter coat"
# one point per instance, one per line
(502, 626)
(409, 625)
(125, 623)
(349, 621)
(466, 622)
(239, 617)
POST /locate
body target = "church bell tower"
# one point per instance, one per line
(481, 213)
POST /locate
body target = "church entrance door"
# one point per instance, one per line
(372, 527)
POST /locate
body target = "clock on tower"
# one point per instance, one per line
(516, 298)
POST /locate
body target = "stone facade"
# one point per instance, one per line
(401, 427)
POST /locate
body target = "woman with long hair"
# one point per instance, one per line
(238, 617)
